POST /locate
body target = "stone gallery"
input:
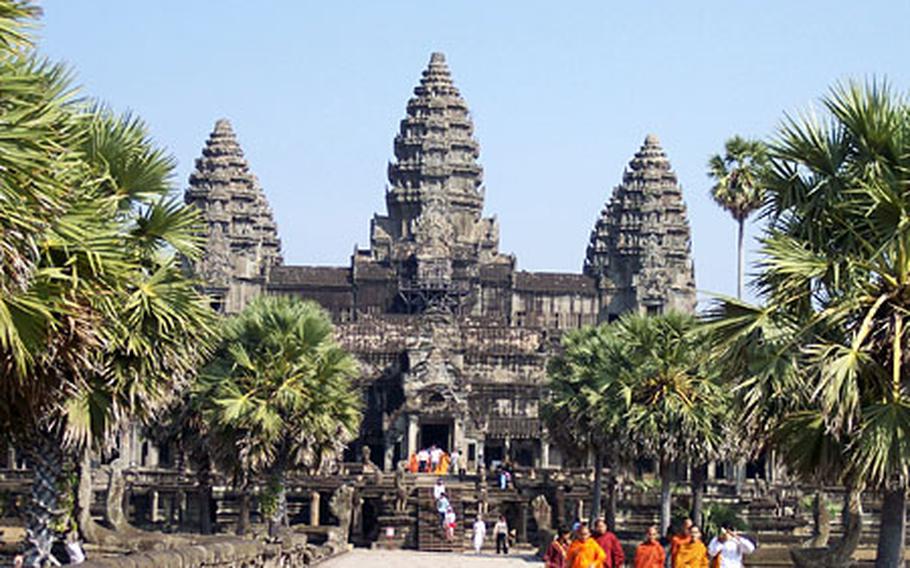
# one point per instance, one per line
(452, 338)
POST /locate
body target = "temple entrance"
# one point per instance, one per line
(435, 435)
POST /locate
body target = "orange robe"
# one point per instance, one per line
(412, 463)
(649, 555)
(676, 541)
(693, 554)
(584, 554)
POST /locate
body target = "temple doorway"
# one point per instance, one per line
(435, 435)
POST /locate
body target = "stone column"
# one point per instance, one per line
(412, 435)
(507, 448)
(544, 453)
(314, 509)
(523, 522)
(580, 510)
(11, 457)
(388, 457)
(458, 438)
(152, 459)
(153, 506)
(712, 470)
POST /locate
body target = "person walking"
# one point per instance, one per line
(480, 533)
(681, 537)
(435, 458)
(555, 557)
(501, 533)
(611, 546)
(442, 505)
(450, 520)
(729, 547)
(439, 489)
(584, 552)
(423, 460)
(692, 554)
(455, 465)
(650, 553)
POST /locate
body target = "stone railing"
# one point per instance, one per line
(292, 552)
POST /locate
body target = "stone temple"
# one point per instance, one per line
(452, 338)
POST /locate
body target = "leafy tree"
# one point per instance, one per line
(738, 188)
(586, 404)
(821, 360)
(677, 411)
(280, 391)
(95, 314)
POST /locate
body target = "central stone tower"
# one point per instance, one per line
(434, 234)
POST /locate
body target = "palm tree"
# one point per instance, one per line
(95, 315)
(676, 410)
(738, 188)
(833, 285)
(585, 405)
(281, 386)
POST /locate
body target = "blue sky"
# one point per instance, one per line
(562, 94)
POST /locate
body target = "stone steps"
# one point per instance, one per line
(430, 535)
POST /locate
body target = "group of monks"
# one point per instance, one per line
(582, 549)
(433, 460)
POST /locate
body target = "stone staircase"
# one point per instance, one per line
(430, 535)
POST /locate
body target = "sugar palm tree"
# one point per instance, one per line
(738, 188)
(281, 385)
(95, 315)
(676, 411)
(586, 403)
(833, 285)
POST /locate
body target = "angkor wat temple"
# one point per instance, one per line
(452, 337)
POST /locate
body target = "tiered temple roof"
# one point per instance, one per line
(241, 234)
(640, 246)
(435, 180)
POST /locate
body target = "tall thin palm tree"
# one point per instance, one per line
(738, 189)
(833, 286)
(281, 385)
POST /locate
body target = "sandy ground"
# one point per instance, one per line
(360, 558)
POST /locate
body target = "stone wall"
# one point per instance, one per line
(234, 552)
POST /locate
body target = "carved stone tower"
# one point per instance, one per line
(434, 234)
(242, 241)
(640, 247)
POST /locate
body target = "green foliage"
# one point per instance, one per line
(739, 176)
(717, 516)
(820, 364)
(279, 392)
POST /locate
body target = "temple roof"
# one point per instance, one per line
(284, 276)
(435, 147)
(641, 242)
(238, 219)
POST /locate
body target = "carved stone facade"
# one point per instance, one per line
(452, 338)
(242, 241)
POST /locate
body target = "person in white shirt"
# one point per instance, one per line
(435, 458)
(454, 466)
(423, 458)
(731, 547)
(480, 533)
(501, 531)
(439, 489)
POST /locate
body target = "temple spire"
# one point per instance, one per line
(640, 246)
(435, 181)
(241, 236)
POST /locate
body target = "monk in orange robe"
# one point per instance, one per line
(584, 552)
(650, 553)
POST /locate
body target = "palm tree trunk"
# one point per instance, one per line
(610, 513)
(891, 536)
(666, 497)
(698, 492)
(740, 258)
(243, 513)
(821, 521)
(85, 495)
(840, 554)
(204, 478)
(279, 516)
(598, 485)
(44, 454)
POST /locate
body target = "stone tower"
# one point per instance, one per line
(242, 241)
(434, 235)
(640, 247)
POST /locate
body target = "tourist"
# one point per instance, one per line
(650, 553)
(480, 533)
(74, 546)
(616, 558)
(555, 557)
(439, 489)
(584, 552)
(442, 505)
(435, 458)
(693, 553)
(450, 520)
(423, 460)
(455, 465)
(729, 548)
(501, 533)
(681, 537)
